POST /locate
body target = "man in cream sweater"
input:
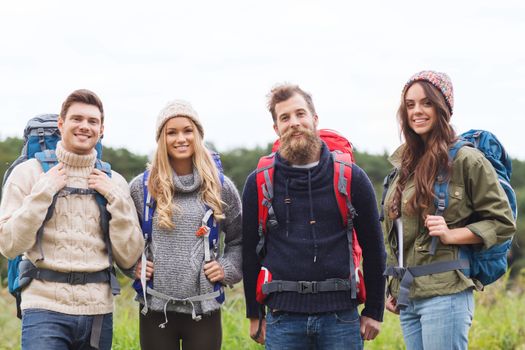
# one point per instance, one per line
(76, 313)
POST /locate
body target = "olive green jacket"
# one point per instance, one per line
(474, 192)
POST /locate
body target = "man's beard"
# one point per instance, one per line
(302, 150)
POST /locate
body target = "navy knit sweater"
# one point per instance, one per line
(299, 251)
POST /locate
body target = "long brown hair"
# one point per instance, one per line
(162, 188)
(420, 160)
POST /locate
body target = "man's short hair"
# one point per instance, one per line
(285, 91)
(82, 96)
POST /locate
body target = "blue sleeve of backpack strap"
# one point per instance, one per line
(370, 237)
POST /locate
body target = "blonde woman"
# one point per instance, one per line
(182, 269)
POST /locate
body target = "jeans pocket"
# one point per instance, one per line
(273, 318)
(347, 316)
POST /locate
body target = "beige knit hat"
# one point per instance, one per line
(178, 108)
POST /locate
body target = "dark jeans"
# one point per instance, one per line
(194, 335)
(330, 330)
(49, 330)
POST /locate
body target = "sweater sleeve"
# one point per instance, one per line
(26, 198)
(137, 196)
(127, 242)
(231, 260)
(370, 238)
(250, 236)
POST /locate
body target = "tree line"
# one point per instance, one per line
(239, 162)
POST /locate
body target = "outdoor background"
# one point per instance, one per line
(225, 56)
(498, 322)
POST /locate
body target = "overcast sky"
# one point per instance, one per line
(224, 57)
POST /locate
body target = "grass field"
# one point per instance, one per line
(499, 322)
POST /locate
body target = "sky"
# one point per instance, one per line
(354, 57)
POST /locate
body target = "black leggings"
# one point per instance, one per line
(194, 335)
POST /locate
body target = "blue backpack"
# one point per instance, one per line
(485, 265)
(41, 135)
(211, 245)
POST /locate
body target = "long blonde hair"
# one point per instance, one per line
(162, 188)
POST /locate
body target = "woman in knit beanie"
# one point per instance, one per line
(424, 227)
(193, 206)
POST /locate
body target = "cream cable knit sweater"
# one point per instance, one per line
(72, 239)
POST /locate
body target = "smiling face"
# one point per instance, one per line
(180, 140)
(421, 112)
(81, 128)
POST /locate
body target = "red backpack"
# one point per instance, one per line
(343, 158)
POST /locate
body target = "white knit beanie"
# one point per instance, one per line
(178, 108)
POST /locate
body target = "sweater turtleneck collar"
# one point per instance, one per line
(73, 160)
(187, 183)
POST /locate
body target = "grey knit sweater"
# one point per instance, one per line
(178, 254)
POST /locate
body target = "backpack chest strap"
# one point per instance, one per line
(307, 287)
(28, 270)
(407, 275)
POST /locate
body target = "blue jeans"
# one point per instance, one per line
(49, 330)
(437, 323)
(331, 330)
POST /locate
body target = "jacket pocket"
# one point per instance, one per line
(456, 203)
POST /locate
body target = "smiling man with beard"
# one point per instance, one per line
(308, 244)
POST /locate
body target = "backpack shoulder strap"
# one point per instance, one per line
(148, 210)
(441, 188)
(101, 200)
(47, 159)
(386, 185)
(264, 181)
(103, 166)
(442, 181)
(105, 217)
(342, 184)
(217, 160)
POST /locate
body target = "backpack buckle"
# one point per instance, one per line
(307, 287)
(76, 278)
